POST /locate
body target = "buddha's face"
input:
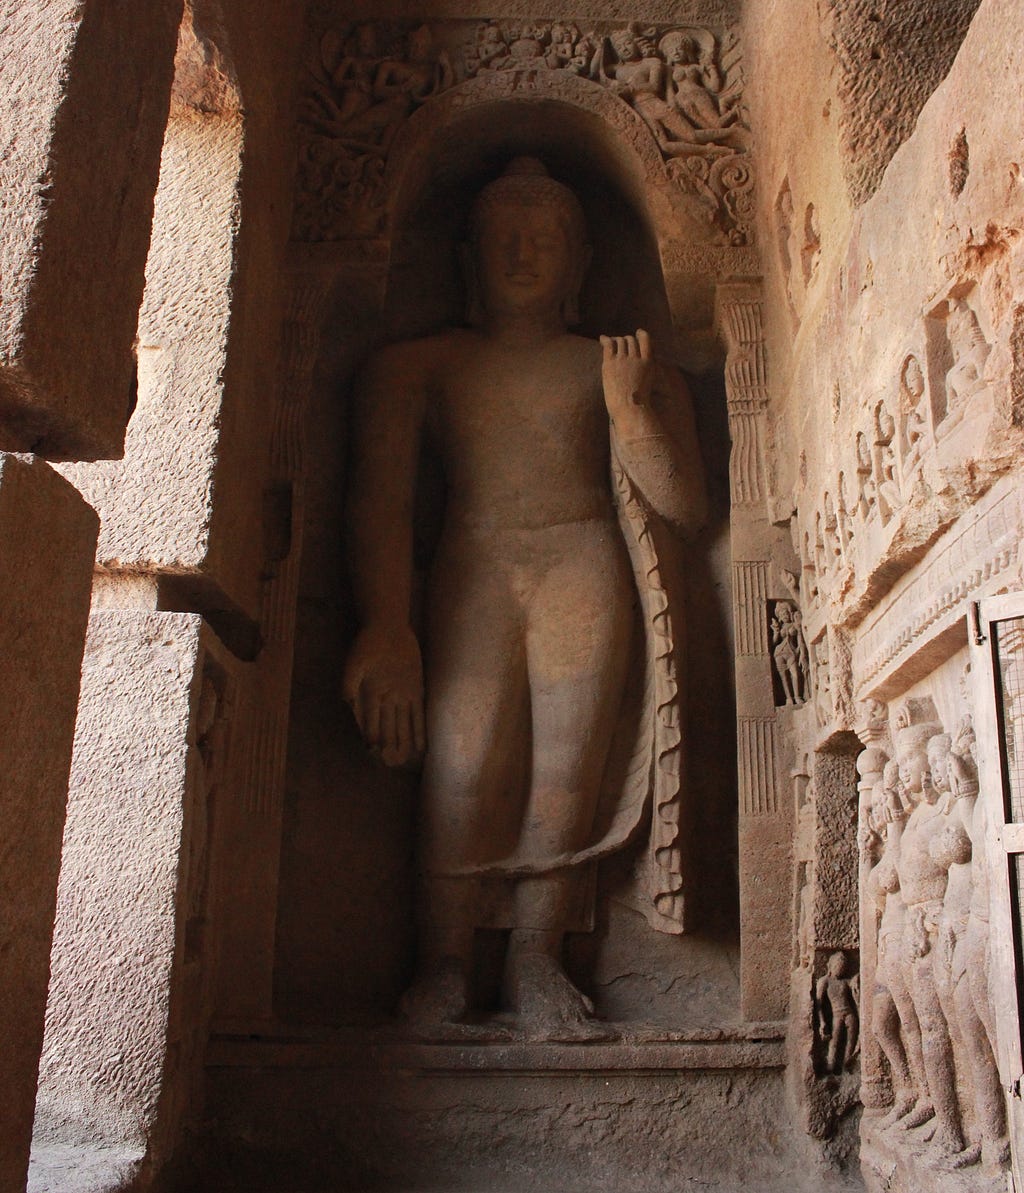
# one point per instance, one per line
(524, 257)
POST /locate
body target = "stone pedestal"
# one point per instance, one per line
(126, 1010)
(85, 103)
(638, 1115)
(47, 541)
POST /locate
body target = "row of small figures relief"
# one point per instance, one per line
(889, 457)
(681, 67)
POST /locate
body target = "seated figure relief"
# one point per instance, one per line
(556, 453)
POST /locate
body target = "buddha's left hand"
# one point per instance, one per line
(627, 372)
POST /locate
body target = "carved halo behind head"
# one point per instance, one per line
(526, 182)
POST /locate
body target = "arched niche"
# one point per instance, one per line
(448, 166)
(455, 142)
(344, 929)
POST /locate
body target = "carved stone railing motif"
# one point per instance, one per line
(364, 82)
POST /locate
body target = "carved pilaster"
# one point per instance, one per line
(299, 350)
(765, 824)
(874, 734)
(741, 324)
(750, 603)
(759, 795)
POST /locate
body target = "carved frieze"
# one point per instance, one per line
(364, 82)
(975, 558)
(912, 454)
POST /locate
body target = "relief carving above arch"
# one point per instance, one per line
(674, 94)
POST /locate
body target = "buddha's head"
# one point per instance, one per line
(527, 250)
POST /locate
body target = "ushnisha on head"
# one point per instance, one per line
(526, 184)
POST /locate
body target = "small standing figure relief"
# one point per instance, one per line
(968, 901)
(844, 521)
(789, 652)
(970, 351)
(923, 881)
(804, 939)
(837, 1015)
(887, 483)
(894, 1021)
(867, 502)
(809, 570)
(830, 532)
(915, 425)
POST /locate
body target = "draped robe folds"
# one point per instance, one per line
(643, 783)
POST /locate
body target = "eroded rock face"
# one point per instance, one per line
(891, 55)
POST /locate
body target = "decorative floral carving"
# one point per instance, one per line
(685, 83)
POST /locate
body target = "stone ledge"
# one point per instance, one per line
(637, 1051)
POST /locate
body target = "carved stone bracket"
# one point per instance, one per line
(683, 85)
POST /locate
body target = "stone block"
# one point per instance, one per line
(47, 541)
(133, 843)
(85, 101)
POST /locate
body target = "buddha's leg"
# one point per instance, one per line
(577, 646)
(475, 686)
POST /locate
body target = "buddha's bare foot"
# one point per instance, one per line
(922, 1112)
(966, 1156)
(439, 995)
(547, 1004)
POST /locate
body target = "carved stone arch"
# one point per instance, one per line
(458, 142)
(543, 109)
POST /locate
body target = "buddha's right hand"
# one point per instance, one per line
(383, 682)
